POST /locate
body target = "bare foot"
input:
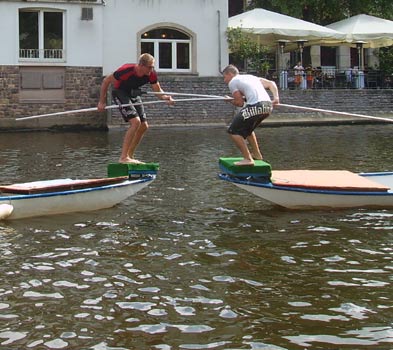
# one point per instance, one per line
(244, 162)
(257, 156)
(129, 160)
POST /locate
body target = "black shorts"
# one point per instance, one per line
(120, 97)
(249, 117)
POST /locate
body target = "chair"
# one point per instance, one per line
(388, 81)
(329, 76)
(341, 81)
(372, 79)
(318, 78)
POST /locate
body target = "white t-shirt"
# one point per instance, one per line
(250, 86)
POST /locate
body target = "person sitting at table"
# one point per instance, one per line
(318, 78)
(310, 77)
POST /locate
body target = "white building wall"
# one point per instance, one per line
(84, 44)
(315, 53)
(124, 19)
(343, 57)
(83, 39)
(372, 58)
(8, 32)
(111, 38)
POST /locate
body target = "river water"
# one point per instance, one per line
(192, 262)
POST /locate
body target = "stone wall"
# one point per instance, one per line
(365, 101)
(188, 112)
(362, 101)
(371, 102)
(81, 90)
(9, 89)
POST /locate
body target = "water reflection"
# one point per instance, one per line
(192, 262)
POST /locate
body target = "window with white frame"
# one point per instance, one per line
(171, 49)
(41, 35)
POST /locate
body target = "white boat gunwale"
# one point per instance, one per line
(269, 185)
(126, 182)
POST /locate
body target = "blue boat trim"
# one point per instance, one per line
(377, 174)
(142, 172)
(269, 185)
(244, 174)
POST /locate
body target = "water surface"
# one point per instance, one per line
(192, 262)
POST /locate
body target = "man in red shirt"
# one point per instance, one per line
(126, 82)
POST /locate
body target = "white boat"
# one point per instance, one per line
(61, 196)
(309, 189)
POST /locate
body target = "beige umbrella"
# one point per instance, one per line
(270, 27)
(373, 31)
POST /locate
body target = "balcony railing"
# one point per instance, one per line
(52, 55)
(331, 78)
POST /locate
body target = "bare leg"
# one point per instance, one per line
(128, 138)
(255, 151)
(137, 139)
(241, 144)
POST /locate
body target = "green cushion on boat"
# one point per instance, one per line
(122, 169)
(259, 169)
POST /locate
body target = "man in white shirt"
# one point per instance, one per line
(249, 92)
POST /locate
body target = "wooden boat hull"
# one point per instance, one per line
(309, 198)
(71, 200)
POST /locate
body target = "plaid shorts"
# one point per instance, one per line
(120, 97)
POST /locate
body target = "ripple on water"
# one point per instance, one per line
(56, 344)
(352, 310)
(211, 267)
(308, 340)
(163, 328)
(137, 305)
(11, 337)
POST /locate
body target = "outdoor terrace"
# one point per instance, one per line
(331, 78)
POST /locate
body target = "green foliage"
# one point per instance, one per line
(385, 55)
(324, 12)
(244, 49)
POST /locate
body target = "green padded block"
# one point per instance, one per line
(259, 169)
(122, 169)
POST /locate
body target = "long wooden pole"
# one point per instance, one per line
(335, 112)
(94, 109)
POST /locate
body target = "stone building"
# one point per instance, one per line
(55, 52)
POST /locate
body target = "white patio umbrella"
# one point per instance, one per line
(270, 27)
(374, 31)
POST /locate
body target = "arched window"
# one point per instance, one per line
(171, 49)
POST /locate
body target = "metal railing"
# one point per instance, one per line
(331, 78)
(42, 55)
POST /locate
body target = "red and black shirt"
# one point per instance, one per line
(127, 79)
